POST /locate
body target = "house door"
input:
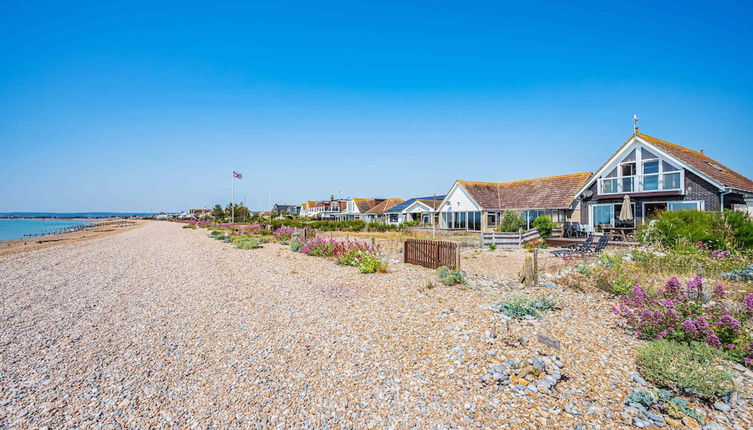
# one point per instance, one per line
(651, 210)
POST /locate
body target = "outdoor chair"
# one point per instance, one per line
(567, 229)
(574, 249)
(600, 245)
(578, 230)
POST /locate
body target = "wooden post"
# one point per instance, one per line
(535, 279)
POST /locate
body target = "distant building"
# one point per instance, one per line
(282, 209)
(199, 212)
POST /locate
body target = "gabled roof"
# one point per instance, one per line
(432, 203)
(364, 205)
(405, 204)
(552, 192)
(704, 164)
(388, 203)
(694, 160)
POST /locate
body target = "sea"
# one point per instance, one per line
(17, 225)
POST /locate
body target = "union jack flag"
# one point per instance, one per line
(237, 175)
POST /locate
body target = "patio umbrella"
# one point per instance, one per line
(626, 213)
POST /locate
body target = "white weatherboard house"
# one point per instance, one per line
(478, 206)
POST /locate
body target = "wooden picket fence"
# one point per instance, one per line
(432, 253)
(509, 240)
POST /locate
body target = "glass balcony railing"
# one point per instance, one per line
(641, 183)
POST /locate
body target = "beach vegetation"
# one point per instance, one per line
(450, 277)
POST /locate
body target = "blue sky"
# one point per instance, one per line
(150, 106)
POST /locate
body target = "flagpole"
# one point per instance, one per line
(232, 204)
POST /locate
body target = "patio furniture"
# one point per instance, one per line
(574, 249)
(600, 245)
(619, 233)
(568, 230)
(579, 230)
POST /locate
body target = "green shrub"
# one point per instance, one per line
(520, 307)
(296, 244)
(685, 259)
(741, 225)
(365, 261)
(410, 223)
(511, 222)
(690, 369)
(450, 277)
(641, 397)
(492, 247)
(382, 227)
(191, 226)
(544, 225)
(583, 269)
(247, 243)
(728, 230)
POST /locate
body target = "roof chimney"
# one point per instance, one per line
(331, 197)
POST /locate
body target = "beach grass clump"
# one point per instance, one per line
(695, 369)
(450, 277)
(247, 243)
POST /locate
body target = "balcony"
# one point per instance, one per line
(670, 181)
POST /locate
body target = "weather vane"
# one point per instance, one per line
(635, 124)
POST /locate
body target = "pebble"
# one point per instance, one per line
(163, 319)
(721, 406)
(639, 380)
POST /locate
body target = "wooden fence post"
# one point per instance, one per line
(535, 267)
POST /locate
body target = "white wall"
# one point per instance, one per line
(458, 201)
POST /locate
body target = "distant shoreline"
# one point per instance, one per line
(77, 218)
(75, 215)
(100, 228)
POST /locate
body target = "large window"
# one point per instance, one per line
(649, 174)
(462, 220)
(491, 219)
(603, 214)
(474, 221)
(683, 206)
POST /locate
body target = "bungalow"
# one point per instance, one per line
(658, 176)
(357, 208)
(478, 206)
(423, 211)
(398, 214)
(326, 209)
(376, 213)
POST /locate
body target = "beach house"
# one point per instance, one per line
(377, 213)
(412, 210)
(652, 175)
(357, 208)
(478, 206)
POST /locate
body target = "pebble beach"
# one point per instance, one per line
(161, 327)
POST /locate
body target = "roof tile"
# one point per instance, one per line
(553, 192)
